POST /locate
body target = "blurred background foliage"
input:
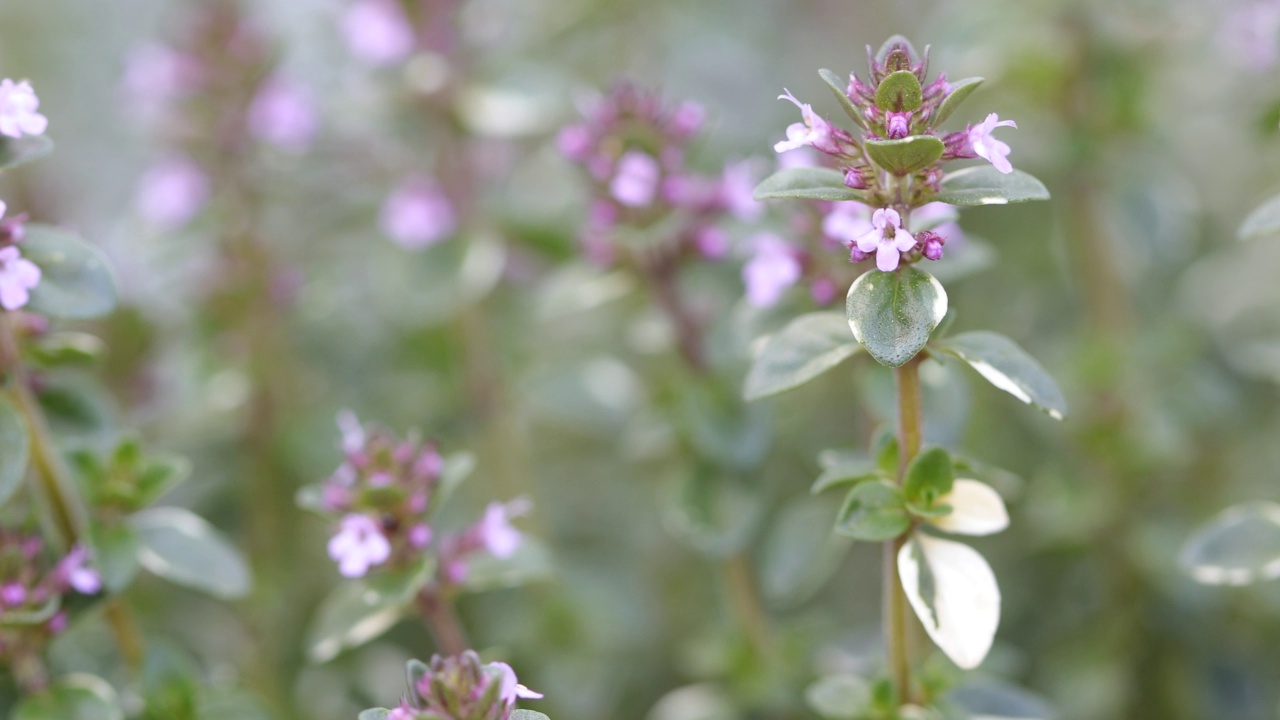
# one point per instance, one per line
(1129, 286)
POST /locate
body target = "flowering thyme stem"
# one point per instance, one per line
(442, 621)
(56, 487)
(662, 281)
(896, 615)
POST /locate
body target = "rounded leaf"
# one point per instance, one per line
(954, 593)
(800, 553)
(976, 509)
(873, 511)
(839, 697)
(76, 282)
(906, 155)
(184, 548)
(984, 185)
(352, 615)
(807, 347)
(522, 714)
(1263, 221)
(899, 92)
(713, 511)
(893, 313)
(375, 714)
(806, 183)
(1008, 367)
(115, 553)
(19, 151)
(994, 700)
(72, 697)
(15, 448)
(960, 90)
(1238, 547)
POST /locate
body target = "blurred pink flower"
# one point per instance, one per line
(18, 104)
(283, 114)
(417, 215)
(636, 181)
(171, 192)
(847, 222)
(887, 239)
(377, 32)
(17, 277)
(74, 572)
(1251, 34)
(989, 148)
(511, 689)
(358, 545)
(155, 75)
(495, 530)
(737, 185)
(771, 270)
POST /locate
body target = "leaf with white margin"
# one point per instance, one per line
(1238, 547)
(807, 347)
(1009, 368)
(954, 593)
(976, 509)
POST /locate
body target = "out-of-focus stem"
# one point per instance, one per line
(442, 621)
(55, 486)
(746, 603)
(896, 612)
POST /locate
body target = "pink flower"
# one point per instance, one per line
(75, 573)
(511, 689)
(283, 114)
(403, 712)
(574, 141)
(171, 192)
(737, 186)
(420, 535)
(636, 181)
(155, 75)
(813, 131)
(770, 271)
(1251, 34)
(712, 243)
(989, 148)
(898, 124)
(18, 104)
(353, 435)
(358, 545)
(417, 215)
(17, 277)
(13, 594)
(377, 32)
(887, 238)
(495, 530)
(847, 222)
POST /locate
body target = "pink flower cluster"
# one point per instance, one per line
(18, 275)
(31, 592)
(381, 494)
(632, 146)
(463, 688)
(18, 110)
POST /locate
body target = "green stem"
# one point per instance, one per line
(896, 612)
(441, 619)
(746, 603)
(55, 485)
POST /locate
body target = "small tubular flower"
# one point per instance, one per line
(813, 130)
(887, 239)
(772, 270)
(18, 276)
(987, 147)
(358, 546)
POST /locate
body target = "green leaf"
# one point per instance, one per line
(905, 156)
(352, 615)
(843, 468)
(76, 283)
(929, 477)
(415, 670)
(892, 313)
(163, 472)
(839, 697)
(375, 714)
(522, 714)
(65, 349)
(807, 347)
(20, 151)
(457, 468)
(531, 562)
(15, 446)
(985, 185)
(1262, 222)
(884, 446)
(874, 511)
(711, 510)
(899, 92)
(32, 616)
(184, 548)
(960, 90)
(1008, 367)
(800, 553)
(1241, 545)
(724, 430)
(115, 553)
(838, 89)
(809, 183)
(893, 40)
(72, 697)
